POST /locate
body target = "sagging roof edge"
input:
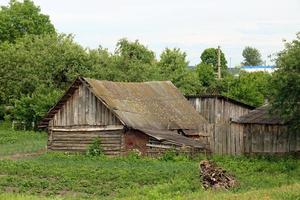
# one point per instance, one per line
(222, 97)
(259, 116)
(173, 140)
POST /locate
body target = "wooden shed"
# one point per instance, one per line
(149, 117)
(219, 110)
(259, 132)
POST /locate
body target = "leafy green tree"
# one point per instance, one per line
(210, 57)
(32, 107)
(174, 67)
(18, 19)
(172, 63)
(133, 61)
(206, 75)
(35, 60)
(286, 82)
(252, 57)
(251, 88)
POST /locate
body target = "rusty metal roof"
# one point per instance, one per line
(260, 115)
(151, 105)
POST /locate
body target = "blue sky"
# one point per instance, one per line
(191, 25)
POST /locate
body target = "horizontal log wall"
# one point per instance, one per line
(84, 108)
(74, 141)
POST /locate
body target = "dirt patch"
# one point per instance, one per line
(215, 177)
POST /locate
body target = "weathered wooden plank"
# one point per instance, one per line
(241, 135)
(105, 128)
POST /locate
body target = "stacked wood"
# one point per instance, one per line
(215, 177)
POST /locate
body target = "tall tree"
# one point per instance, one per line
(34, 60)
(286, 97)
(134, 61)
(252, 57)
(206, 75)
(210, 57)
(18, 19)
(251, 88)
(173, 66)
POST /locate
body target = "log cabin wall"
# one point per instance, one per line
(79, 141)
(219, 111)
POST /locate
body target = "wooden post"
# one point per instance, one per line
(219, 62)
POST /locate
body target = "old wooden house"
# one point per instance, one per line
(219, 111)
(261, 132)
(149, 117)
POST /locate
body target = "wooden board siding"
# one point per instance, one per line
(83, 108)
(218, 110)
(265, 139)
(75, 141)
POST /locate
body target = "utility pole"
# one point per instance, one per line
(219, 62)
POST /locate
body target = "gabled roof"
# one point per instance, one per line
(149, 105)
(155, 105)
(260, 115)
(222, 97)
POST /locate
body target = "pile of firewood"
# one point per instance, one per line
(215, 177)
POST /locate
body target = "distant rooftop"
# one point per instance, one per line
(258, 67)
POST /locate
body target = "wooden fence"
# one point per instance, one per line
(237, 139)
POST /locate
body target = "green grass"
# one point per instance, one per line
(63, 176)
(13, 142)
(79, 176)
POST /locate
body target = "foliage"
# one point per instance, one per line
(169, 155)
(252, 57)
(286, 83)
(210, 57)
(133, 154)
(206, 74)
(18, 19)
(31, 108)
(95, 149)
(173, 66)
(134, 61)
(39, 60)
(250, 88)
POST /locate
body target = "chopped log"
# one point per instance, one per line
(215, 177)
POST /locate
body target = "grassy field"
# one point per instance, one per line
(63, 176)
(13, 142)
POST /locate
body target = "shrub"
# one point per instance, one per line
(134, 154)
(169, 154)
(95, 148)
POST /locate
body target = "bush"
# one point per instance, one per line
(134, 154)
(170, 154)
(95, 148)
